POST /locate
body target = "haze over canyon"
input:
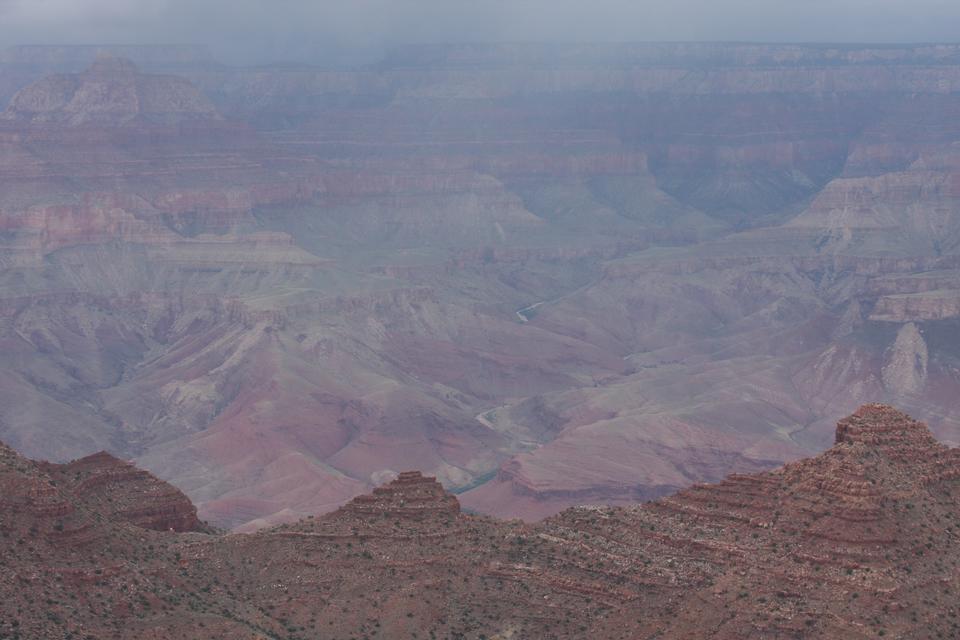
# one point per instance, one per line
(548, 275)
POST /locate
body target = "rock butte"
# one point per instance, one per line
(857, 542)
(411, 495)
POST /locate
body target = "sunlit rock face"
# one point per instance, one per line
(545, 276)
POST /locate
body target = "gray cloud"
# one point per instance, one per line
(303, 29)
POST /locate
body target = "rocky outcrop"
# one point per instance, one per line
(124, 493)
(410, 496)
(33, 505)
(886, 430)
(856, 542)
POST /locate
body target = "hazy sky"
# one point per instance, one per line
(275, 29)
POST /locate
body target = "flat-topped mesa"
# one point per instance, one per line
(881, 426)
(411, 495)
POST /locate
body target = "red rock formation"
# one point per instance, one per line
(124, 493)
(33, 505)
(857, 542)
(410, 496)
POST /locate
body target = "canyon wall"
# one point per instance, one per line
(544, 275)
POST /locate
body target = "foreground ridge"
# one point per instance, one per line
(858, 542)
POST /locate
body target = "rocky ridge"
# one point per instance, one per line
(124, 493)
(858, 542)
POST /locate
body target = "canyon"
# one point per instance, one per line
(857, 542)
(545, 275)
